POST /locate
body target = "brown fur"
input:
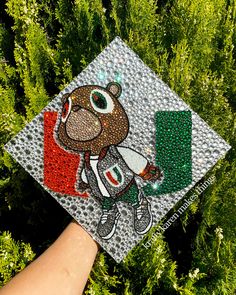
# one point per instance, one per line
(114, 125)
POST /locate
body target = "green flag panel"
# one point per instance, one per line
(173, 151)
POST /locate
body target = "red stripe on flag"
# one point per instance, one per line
(111, 178)
(60, 167)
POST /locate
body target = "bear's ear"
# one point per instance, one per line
(114, 88)
(64, 97)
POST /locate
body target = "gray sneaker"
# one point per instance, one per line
(142, 217)
(107, 223)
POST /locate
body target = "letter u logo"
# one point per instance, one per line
(114, 176)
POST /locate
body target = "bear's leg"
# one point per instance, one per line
(131, 195)
(142, 208)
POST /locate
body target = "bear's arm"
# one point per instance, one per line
(134, 160)
(140, 165)
(83, 176)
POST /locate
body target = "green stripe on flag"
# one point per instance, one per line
(119, 176)
(173, 151)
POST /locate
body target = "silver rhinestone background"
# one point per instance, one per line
(143, 94)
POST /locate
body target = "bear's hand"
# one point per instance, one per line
(151, 172)
(83, 187)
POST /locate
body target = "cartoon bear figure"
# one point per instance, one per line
(93, 123)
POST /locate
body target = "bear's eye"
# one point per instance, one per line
(101, 101)
(66, 110)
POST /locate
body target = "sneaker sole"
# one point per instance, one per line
(107, 237)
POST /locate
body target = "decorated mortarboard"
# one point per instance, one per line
(117, 149)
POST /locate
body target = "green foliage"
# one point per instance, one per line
(14, 256)
(191, 46)
(83, 32)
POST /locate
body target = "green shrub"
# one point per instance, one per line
(14, 256)
(191, 46)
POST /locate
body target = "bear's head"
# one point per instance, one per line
(92, 118)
